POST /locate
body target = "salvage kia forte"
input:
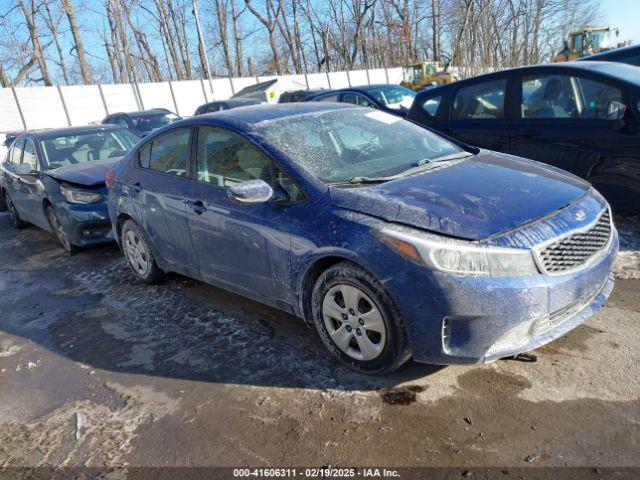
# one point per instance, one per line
(55, 179)
(389, 239)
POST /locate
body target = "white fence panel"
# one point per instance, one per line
(189, 95)
(120, 98)
(318, 80)
(377, 75)
(156, 95)
(291, 82)
(41, 107)
(358, 78)
(339, 79)
(83, 103)
(221, 89)
(9, 113)
(395, 75)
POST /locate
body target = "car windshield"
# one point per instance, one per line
(71, 149)
(148, 122)
(395, 97)
(339, 145)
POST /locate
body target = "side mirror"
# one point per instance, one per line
(251, 191)
(23, 169)
(615, 114)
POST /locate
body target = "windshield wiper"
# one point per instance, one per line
(422, 165)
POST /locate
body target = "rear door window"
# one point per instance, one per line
(481, 101)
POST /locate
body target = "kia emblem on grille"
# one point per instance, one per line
(580, 215)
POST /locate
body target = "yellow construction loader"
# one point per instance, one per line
(588, 41)
(421, 74)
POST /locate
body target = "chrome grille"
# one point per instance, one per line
(573, 251)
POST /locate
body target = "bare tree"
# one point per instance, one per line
(67, 5)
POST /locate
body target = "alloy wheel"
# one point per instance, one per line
(136, 252)
(354, 322)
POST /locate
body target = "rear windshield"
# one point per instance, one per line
(63, 150)
(146, 123)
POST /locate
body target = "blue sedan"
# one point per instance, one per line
(390, 239)
(55, 179)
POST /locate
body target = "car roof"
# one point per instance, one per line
(614, 70)
(55, 132)
(151, 111)
(615, 53)
(260, 113)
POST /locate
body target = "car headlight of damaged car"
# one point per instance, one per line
(76, 195)
(457, 256)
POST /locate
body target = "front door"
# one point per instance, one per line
(31, 198)
(246, 246)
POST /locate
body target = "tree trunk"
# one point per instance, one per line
(53, 28)
(221, 14)
(435, 12)
(237, 39)
(77, 39)
(34, 35)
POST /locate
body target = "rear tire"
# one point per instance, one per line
(58, 231)
(138, 254)
(357, 320)
(17, 223)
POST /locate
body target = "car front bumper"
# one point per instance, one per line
(458, 319)
(85, 224)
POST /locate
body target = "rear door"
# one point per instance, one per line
(563, 122)
(158, 189)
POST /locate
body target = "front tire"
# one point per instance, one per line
(17, 223)
(138, 254)
(357, 321)
(58, 231)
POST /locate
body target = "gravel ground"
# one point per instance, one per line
(99, 370)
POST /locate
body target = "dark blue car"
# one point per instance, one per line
(394, 99)
(393, 241)
(629, 55)
(583, 117)
(55, 179)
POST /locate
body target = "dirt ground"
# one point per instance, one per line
(97, 369)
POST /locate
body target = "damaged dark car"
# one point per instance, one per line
(55, 179)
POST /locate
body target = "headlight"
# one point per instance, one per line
(457, 256)
(75, 195)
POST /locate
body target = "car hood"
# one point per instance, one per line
(89, 174)
(481, 196)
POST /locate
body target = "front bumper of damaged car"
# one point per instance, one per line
(453, 318)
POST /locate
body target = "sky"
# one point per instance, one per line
(625, 15)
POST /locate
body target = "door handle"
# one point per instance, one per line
(197, 206)
(529, 133)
